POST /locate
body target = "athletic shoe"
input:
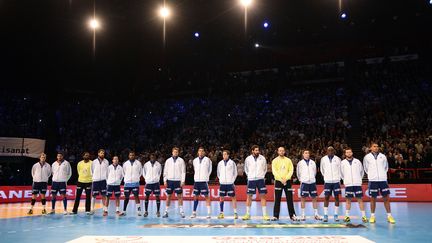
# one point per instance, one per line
(139, 213)
(221, 216)
(266, 217)
(52, 212)
(391, 220)
(246, 217)
(122, 214)
(317, 217)
(325, 218)
(235, 216)
(274, 219)
(91, 213)
(302, 218)
(158, 214)
(364, 219)
(372, 220)
(347, 219)
(145, 214)
(44, 211)
(118, 212)
(193, 215)
(74, 213)
(208, 216)
(182, 214)
(105, 213)
(65, 213)
(88, 213)
(336, 218)
(294, 218)
(30, 212)
(165, 215)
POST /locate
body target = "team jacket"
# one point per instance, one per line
(202, 168)
(174, 170)
(352, 172)
(306, 172)
(330, 169)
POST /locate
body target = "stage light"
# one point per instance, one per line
(164, 12)
(257, 45)
(94, 24)
(430, 2)
(197, 35)
(246, 3)
(266, 25)
(343, 16)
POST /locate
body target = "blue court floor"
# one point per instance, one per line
(413, 223)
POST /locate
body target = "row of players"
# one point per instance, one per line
(98, 177)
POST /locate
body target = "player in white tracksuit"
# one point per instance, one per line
(256, 168)
(174, 175)
(227, 174)
(330, 169)
(41, 171)
(306, 173)
(376, 166)
(152, 171)
(99, 171)
(115, 177)
(132, 170)
(203, 168)
(352, 174)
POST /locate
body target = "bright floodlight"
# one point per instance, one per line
(196, 34)
(257, 45)
(266, 24)
(246, 3)
(164, 12)
(94, 23)
(343, 16)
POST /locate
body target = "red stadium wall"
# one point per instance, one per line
(398, 193)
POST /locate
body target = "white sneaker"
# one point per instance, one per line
(208, 216)
(182, 214)
(65, 213)
(192, 216)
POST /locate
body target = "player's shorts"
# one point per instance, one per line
(113, 189)
(308, 190)
(174, 186)
(39, 188)
(201, 188)
(252, 186)
(99, 187)
(58, 187)
(332, 187)
(227, 189)
(378, 187)
(353, 191)
(152, 188)
(128, 190)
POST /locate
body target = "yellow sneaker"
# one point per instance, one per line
(221, 216)
(372, 220)
(266, 217)
(246, 217)
(347, 219)
(364, 219)
(391, 220)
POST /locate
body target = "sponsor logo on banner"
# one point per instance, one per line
(398, 192)
(27, 147)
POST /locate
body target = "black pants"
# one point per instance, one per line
(80, 187)
(279, 187)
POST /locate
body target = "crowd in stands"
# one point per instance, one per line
(396, 108)
(394, 104)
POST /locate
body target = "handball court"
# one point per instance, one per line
(412, 225)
